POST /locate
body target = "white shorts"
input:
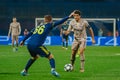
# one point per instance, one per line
(76, 44)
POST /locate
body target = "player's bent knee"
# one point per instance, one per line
(36, 57)
(82, 60)
(50, 56)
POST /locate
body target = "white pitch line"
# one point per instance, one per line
(117, 54)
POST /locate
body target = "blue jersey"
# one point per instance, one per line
(39, 34)
(64, 27)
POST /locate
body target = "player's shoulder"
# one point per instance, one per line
(72, 21)
(11, 24)
(84, 21)
(18, 22)
(49, 24)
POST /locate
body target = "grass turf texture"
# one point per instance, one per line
(102, 63)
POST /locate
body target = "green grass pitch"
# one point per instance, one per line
(102, 63)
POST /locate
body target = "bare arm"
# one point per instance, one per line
(19, 29)
(63, 20)
(10, 29)
(61, 32)
(27, 36)
(69, 29)
(92, 35)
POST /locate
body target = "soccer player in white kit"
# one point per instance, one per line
(14, 30)
(79, 26)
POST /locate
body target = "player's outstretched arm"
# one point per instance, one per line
(26, 37)
(63, 20)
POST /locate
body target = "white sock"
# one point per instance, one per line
(82, 62)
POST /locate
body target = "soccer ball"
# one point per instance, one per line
(68, 67)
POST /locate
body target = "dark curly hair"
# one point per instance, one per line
(77, 12)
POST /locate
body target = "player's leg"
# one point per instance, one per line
(63, 40)
(13, 40)
(28, 65)
(51, 61)
(75, 47)
(16, 39)
(47, 54)
(30, 61)
(17, 42)
(82, 59)
(52, 64)
(63, 43)
(78, 53)
(66, 39)
(73, 57)
(82, 56)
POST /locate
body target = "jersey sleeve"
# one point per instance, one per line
(70, 27)
(30, 33)
(86, 24)
(60, 21)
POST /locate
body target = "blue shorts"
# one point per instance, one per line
(41, 51)
(65, 36)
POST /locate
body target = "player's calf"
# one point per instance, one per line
(82, 66)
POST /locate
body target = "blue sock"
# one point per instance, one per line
(63, 44)
(66, 44)
(29, 63)
(52, 63)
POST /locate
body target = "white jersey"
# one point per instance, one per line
(79, 29)
(15, 29)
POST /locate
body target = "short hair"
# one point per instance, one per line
(48, 17)
(77, 12)
(14, 17)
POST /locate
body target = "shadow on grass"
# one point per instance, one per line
(8, 73)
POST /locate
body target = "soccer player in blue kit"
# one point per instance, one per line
(35, 45)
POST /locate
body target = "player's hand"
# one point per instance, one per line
(93, 41)
(71, 14)
(21, 43)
